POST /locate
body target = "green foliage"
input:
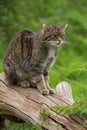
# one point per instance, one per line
(78, 74)
(79, 108)
(24, 126)
(44, 116)
(71, 65)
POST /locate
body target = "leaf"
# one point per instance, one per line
(78, 74)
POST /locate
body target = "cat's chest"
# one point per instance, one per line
(52, 56)
(51, 53)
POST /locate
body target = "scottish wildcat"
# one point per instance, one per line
(30, 56)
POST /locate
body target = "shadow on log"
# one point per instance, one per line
(28, 103)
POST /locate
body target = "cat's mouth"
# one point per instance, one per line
(56, 43)
(53, 43)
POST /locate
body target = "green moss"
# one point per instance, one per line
(21, 126)
(78, 108)
(44, 116)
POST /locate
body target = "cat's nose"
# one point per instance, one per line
(59, 39)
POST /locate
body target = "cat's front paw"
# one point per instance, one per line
(51, 91)
(24, 84)
(44, 92)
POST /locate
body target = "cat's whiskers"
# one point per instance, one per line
(67, 43)
(62, 42)
(54, 43)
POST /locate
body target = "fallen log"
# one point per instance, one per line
(29, 104)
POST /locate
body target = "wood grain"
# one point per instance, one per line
(28, 103)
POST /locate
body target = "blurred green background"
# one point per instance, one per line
(71, 64)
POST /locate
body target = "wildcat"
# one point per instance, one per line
(30, 56)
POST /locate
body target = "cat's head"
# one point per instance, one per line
(54, 35)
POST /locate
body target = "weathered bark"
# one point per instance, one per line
(28, 104)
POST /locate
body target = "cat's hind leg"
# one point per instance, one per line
(15, 75)
(22, 77)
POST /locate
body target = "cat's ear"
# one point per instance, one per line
(44, 25)
(63, 27)
(44, 28)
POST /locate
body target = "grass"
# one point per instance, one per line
(73, 71)
(1, 66)
(18, 126)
